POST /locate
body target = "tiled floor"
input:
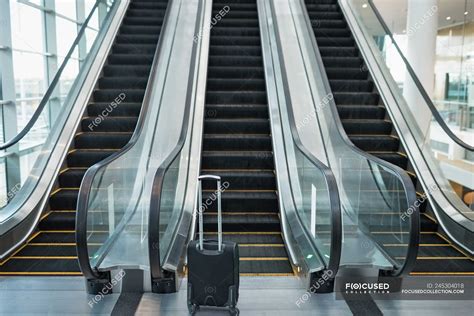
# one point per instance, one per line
(258, 296)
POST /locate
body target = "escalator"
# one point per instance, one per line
(107, 126)
(367, 124)
(237, 143)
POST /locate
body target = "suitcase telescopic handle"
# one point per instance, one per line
(201, 209)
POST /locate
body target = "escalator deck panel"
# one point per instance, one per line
(237, 143)
(363, 117)
(52, 249)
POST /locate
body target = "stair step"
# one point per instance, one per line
(237, 160)
(237, 142)
(92, 140)
(237, 126)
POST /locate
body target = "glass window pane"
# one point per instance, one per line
(66, 32)
(27, 27)
(66, 8)
(29, 74)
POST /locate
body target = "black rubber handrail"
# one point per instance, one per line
(53, 84)
(156, 269)
(86, 184)
(410, 192)
(418, 83)
(333, 190)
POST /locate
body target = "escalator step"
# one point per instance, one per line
(123, 109)
(237, 142)
(71, 178)
(361, 98)
(368, 112)
(87, 158)
(336, 51)
(237, 160)
(245, 222)
(351, 86)
(94, 140)
(130, 59)
(127, 70)
(134, 49)
(139, 29)
(329, 24)
(248, 97)
(109, 124)
(235, 73)
(227, 111)
(246, 179)
(335, 41)
(64, 199)
(111, 95)
(235, 31)
(244, 201)
(394, 158)
(346, 73)
(367, 127)
(123, 83)
(219, 50)
(137, 39)
(60, 220)
(237, 126)
(236, 84)
(379, 143)
(253, 61)
(353, 62)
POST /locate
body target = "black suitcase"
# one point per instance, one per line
(213, 265)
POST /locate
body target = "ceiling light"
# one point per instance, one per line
(365, 6)
(448, 18)
(466, 13)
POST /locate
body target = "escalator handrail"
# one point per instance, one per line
(410, 192)
(86, 184)
(44, 101)
(418, 83)
(156, 270)
(334, 199)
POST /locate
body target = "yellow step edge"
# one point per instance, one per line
(430, 217)
(236, 170)
(20, 249)
(454, 246)
(262, 245)
(45, 258)
(242, 213)
(267, 191)
(58, 244)
(437, 258)
(441, 273)
(266, 274)
(244, 233)
(421, 245)
(263, 259)
(41, 273)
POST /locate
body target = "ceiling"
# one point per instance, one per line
(394, 12)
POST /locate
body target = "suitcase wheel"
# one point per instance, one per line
(234, 311)
(193, 308)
